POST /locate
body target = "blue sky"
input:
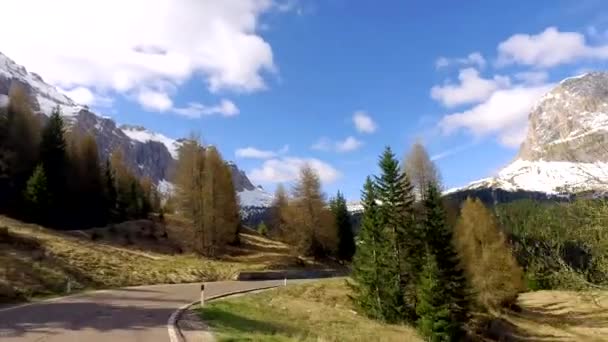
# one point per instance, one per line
(285, 79)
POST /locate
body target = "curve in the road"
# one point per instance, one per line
(127, 314)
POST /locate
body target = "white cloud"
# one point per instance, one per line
(196, 110)
(471, 89)
(85, 96)
(288, 169)
(548, 48)
(128, 46)
(364, 123)
(255, 153)
(154, 100)
(473, 59)
(451, 151)
(504, 113)
(347, 145)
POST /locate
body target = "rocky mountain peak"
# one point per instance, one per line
(570, 123)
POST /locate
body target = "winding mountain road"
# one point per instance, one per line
(138, 314)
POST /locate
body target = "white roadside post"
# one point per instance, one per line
(68, 286)
(202, 294)
(285, 281)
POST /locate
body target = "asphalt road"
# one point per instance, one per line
(136, 314)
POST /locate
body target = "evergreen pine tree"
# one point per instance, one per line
(37, 196)
(396, 215)
(346, 242)
(53, 156)
(434, 315)
(369, 262)
(438, 237)
(109, 192)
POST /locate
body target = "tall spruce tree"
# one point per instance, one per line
(435, 320)
(53, 156)
(396, 215)
(369, 269)
(445, 261)
(346, 242)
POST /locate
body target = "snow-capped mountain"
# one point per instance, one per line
(147, 153)
(566, 147)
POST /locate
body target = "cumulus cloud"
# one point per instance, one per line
(196, 110)
(255, 153)
(85, 96)
(473, 59)
(471, 89)
(364, 123)
(548, 48)
(154, 100)
(347, 145)
(504, 113)
(130, 46)
(287, 169)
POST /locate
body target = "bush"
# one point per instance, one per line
(262, 228)
(561, 245)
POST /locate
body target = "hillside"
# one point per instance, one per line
(147, 153)
(36, 261)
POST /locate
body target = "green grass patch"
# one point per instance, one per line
(319, 311)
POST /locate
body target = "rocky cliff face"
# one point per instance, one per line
(147, 153)
(570, 123)
(566, 148)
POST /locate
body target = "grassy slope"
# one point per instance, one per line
(36, 262)
(319, 311)
(557, 316)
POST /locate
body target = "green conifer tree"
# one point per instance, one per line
(37, 196)
(396, 215)
(54, 160)
(438, 237)
(369, 262)
(346, 242)
(434, 314)
(110, 192)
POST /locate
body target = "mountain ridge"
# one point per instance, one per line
(147, 153)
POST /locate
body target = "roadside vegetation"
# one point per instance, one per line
(319, 311)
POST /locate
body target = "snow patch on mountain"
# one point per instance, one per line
(48, 96)
(255, 198)
(550, 177)
(142, 135)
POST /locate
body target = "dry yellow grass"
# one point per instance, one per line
(556, 316)
(35, 261)
(319, 311)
